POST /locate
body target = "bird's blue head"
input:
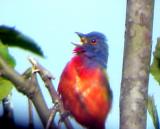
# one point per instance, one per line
(94, 46)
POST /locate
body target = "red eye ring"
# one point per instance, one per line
(93, 41)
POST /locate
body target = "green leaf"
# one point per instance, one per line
(4, 53)
(5, 85)
(5, 88)
(153, 112)
(155, 66)
(13, 38)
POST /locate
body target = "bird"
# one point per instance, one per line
(84, 86)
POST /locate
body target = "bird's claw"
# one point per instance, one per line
(63, 117)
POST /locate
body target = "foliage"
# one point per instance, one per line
(10, 37)
(155, 66)
(13, 38)
(5, 88)
(153, 112)
(5, 85)
(155, 71)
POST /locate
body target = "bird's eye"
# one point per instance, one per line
(93, 41)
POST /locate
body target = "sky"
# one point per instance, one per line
(53, 23)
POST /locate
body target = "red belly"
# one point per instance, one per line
(85, 94)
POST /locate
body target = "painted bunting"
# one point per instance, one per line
(84, 86)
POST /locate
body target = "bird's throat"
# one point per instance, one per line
(79, 50)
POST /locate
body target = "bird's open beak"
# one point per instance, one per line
(82, 37)
(79, 46)
(76, 44)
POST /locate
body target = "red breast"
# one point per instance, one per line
(85, 93)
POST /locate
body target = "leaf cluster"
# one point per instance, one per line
(10, 37)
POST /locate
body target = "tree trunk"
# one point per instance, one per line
(136, 62)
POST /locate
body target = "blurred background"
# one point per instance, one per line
(52, 23)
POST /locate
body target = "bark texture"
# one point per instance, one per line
(26, 87)
(136, 62)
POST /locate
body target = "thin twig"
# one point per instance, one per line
(25, 86)
(35, 81)
(8, 110)
(47, 77)
(52, 115)
(31, 126)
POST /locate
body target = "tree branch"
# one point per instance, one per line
(47, 79)
(28, 88)
(136, 62)
(31, 125)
